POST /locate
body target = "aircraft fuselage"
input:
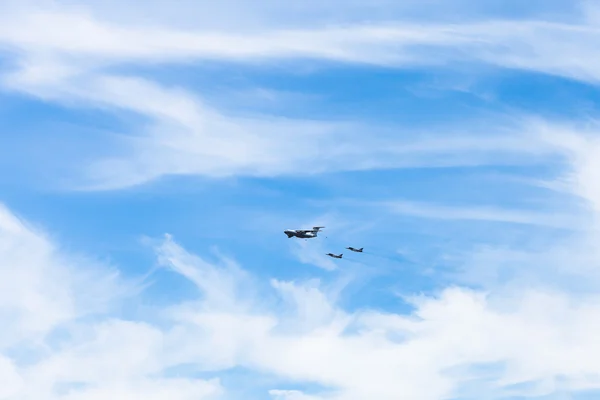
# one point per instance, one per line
(302, 235)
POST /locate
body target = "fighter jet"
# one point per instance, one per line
(334, 256)
(356, 250)
(303, 233)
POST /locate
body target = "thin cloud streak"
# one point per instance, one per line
(478, 213)
(529, 45)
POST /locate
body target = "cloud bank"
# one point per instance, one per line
(459, 342)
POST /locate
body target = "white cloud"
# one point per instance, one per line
(580, 146)
(40, 289)
(297, 332)
(503, 42)
(57, 339)
(156, 389)
(478, 213)
(523, 336)
(239, 15)
(427, 355)
(313, 253)
(291, 395)
(220, 286)
(187, 136)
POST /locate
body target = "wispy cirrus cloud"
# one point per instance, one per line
(478, 213)
(187, 136)
(506, 43)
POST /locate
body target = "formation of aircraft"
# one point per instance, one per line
(313, 233)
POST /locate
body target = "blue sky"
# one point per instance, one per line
(150, 163)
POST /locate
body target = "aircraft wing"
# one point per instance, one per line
(314, 229)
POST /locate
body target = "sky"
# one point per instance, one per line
(151, 158)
